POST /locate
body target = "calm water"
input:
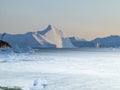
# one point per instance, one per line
(64, 69)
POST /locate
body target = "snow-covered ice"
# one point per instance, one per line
(62, 69)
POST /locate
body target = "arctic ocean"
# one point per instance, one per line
(63, 69)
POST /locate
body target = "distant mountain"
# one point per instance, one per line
(110, 41)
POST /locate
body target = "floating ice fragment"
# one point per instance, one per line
(39, 84)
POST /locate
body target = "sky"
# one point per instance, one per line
(81, 18)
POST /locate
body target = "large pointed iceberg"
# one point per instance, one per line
(50, 37)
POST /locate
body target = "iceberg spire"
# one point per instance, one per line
(49, 26)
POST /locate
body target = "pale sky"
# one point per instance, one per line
(82, 18)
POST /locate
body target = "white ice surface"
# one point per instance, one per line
(63, 70)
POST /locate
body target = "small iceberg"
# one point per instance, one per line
(39, 84)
